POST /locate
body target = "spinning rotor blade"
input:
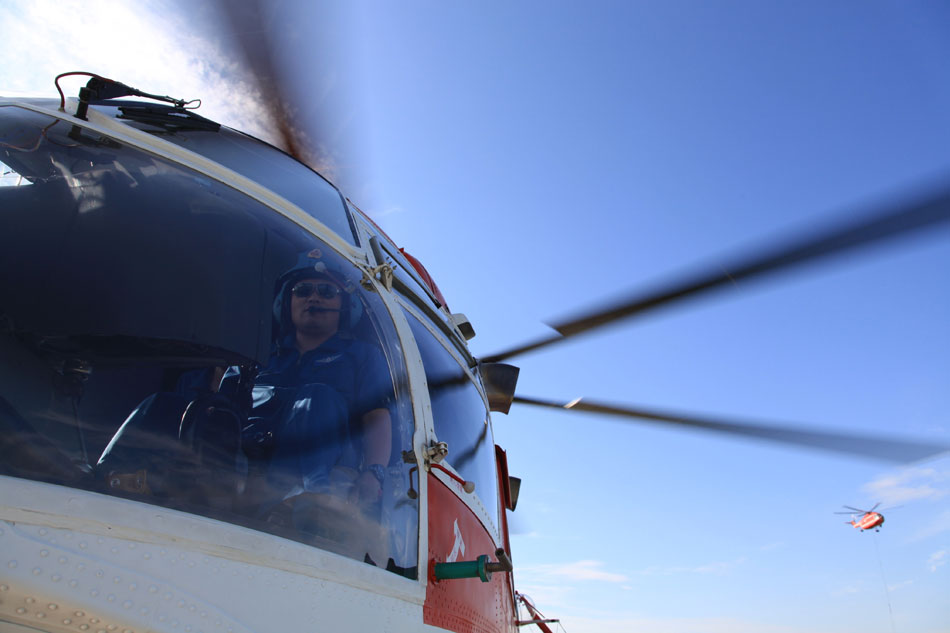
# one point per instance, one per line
(893, 222)
(853, 510)
(875, 447)
(294, 90)
(246, 25)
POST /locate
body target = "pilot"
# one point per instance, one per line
(319, 420)
(322, 400)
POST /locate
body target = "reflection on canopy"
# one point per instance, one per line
(129, 287)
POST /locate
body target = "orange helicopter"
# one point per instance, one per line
(869, 518)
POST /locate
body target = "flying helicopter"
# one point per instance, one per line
(869, 519)
(200, 535)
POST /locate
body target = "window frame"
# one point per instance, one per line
(474, 501)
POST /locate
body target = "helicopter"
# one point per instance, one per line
(870, 520)
(170, 542)
(165, 562)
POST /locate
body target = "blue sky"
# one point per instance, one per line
(540, 157)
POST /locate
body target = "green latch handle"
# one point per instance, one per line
(478, 568)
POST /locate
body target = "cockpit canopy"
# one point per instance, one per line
(130, 284)
(112, 242)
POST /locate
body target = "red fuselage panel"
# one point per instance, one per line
(868, 521)
(465, 605)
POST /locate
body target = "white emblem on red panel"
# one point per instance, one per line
(458, 548)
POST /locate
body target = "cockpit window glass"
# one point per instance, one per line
(408, 284)
(402, 269)
(460, 417)
(261, 163)
(168, 339)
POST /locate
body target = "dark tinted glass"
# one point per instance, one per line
(460, 417)
(264, 164)
(148, 349)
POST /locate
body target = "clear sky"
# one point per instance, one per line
(540, 157)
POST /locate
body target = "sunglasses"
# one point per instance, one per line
(304, 289)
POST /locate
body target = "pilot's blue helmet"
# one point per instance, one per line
(313, 265)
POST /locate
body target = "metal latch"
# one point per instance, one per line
(383, 269)
(436, 452)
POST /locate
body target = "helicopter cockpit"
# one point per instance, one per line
(139, 309)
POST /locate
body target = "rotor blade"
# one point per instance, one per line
(462, 459)
(852, 510)
(887, 224)
(291, 55)
(876, 447)
(247, 27)
(874, 507)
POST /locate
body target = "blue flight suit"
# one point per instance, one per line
(305, 419)
(307, 409)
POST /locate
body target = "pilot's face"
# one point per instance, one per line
(315, 306)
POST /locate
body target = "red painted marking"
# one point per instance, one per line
(426, 277)
(467, 605)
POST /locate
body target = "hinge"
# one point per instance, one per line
(383, 271)
(436, 452)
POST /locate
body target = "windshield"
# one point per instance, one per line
(167, 339)
(251, 158)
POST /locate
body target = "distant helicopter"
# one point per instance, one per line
(869, 518)
(150, 259)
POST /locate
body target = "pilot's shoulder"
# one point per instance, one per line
(364, 352)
